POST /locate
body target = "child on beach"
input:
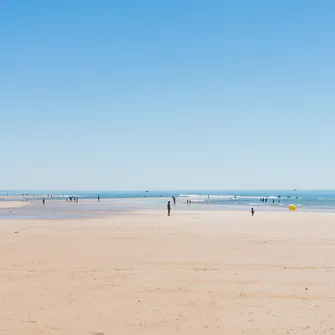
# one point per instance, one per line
(252, 211)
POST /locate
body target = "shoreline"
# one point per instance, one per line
(305, 201)
(88, 209)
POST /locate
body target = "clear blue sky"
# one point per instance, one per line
(175, 94)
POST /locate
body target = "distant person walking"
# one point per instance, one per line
(252, 212)
(98, 197)
(169, 208)
(43, 201)
(174, 200)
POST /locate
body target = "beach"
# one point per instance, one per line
(196, 272)
(11, 204)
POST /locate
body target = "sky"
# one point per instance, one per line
(162, 95)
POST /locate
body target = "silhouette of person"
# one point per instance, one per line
(169, 208)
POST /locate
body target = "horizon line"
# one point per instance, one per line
(170, 190)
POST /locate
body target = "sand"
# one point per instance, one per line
(192, 273)
(12, 204)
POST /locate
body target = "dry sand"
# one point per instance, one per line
(193, 273)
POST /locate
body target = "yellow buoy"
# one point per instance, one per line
(292, 207)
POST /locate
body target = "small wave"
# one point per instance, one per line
(206, 196)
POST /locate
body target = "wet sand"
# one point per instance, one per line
(12, 204)
(196, 272)
(59, 209)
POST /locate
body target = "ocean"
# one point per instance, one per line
(319, 200)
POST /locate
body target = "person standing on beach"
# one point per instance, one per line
(169, 208)
(98, 198)
(43, 201)
(252, 212)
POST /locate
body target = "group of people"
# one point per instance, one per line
(68, 199)
(72, 199)
(266, 200)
